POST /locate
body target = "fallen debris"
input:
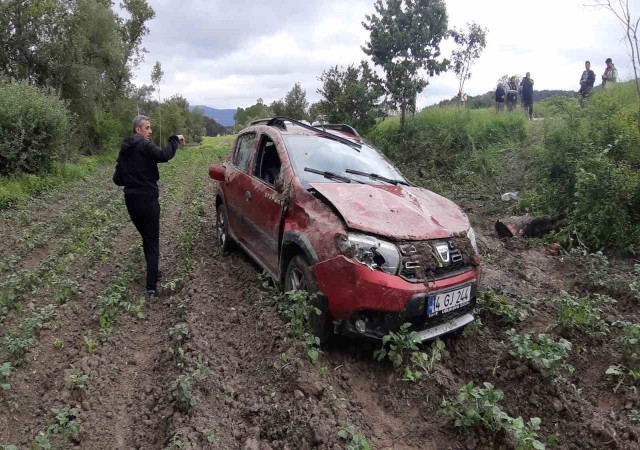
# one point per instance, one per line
(527, 226)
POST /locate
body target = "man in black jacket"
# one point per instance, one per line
(527, 94)
(137, 171)
(586, 80)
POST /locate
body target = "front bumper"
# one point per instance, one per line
(385, 302)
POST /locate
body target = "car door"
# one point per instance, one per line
(237, 184)
(263, 212)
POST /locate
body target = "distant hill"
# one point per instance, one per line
(222, 116)
(487, 100)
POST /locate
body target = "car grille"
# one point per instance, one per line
(423, 261)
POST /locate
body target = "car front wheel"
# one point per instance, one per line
(298, 277)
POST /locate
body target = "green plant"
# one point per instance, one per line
(179, 332)
(176, 442)
(479, 407)
(16, 346)
(629, 341)
(355, 440)
(8, 447)
(621, 373)
(297, 307)
(503, 307)
(63, 426)
(400, 343)
(5, 372)
(210, 435)
(582, 314)
(424, 362)
(58, 344)
(79, 380)
(90, 343)
(598, 275)
(182, 387)
(547, 354)
(634, 286)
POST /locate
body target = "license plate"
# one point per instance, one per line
(448, 301)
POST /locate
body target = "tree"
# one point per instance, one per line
(213, 128)
(631, 26)
(351, 96)
(295, 103)
(469, 47)
(405, 38)
(156, 78)
(242, 117)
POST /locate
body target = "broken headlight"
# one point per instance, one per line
(370, 251)
(471, 234)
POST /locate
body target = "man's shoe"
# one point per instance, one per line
(152, 293)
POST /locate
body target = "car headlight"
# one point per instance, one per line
(471, 234)
(370, 251)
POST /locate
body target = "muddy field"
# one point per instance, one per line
(88, 364)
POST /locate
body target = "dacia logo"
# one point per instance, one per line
(443, 252)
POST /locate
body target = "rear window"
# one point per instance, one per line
(324, 154)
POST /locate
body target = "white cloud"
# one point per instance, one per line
(227, 54)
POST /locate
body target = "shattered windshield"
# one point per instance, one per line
(323, 154)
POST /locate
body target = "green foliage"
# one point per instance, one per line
(354, 440)
(79, 380)
(507, 310)
(404, 40)
(629, 340)
(424, 363)
(621, 373)
(634, 286)
(547, 354)
(16, 346)
(582, 314)
(5, 372)
(34, 129)
(297, 307)
(469, 47)
(350, 96)
(90, 343)
(243, 116)
(588, 168)
(64, 426)
(182, 387)
(479, 407)
(179, 332)
(400, 343)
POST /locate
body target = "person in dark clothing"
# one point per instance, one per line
(527, 94)
(137, 171)
(512, 95)
(586, 80)
(500, 97)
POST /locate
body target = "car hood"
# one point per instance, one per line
(397, 212)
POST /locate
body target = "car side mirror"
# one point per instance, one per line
(278, 184)
(216, 171)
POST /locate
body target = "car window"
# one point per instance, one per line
(243, 151)
(267, 162)
(327, 155)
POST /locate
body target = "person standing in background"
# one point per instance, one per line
(527, 94)
(500, 97)
(586, 80)
(610, 74)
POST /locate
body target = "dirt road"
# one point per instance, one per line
(210, 365)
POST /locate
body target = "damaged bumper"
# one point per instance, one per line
(370, 303)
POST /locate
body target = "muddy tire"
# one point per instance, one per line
(223, 240)
(298, 277)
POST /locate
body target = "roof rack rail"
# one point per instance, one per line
(259, 121)
(279, 121)
(338, 127)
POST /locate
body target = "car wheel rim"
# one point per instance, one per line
(222, 236)
(298, 282)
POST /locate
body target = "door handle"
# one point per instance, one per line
(248, 195)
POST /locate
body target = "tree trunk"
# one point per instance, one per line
(527, 226)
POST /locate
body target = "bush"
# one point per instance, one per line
(34, 129)
(589, 169)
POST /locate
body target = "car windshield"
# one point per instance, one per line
(326, 155)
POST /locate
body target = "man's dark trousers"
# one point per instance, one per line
(144, 211)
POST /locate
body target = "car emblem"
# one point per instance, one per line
(443, 251)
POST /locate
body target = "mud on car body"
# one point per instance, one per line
(321, 210)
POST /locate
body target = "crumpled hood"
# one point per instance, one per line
(397, 212)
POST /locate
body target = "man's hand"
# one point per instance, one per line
(180, 139)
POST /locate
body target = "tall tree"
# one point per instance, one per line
(156, 78)
(405, 38)
(295, 103)
(469, 47)
(351, 96)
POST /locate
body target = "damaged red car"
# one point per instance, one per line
(321, 210)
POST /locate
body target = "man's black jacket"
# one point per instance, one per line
(137, 164)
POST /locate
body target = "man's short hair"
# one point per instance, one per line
(609, 60)
(137, 121)
(587, 62)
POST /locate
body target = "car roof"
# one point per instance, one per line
(287, 126)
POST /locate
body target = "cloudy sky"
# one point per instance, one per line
(228, 53)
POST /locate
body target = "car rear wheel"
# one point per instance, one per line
(298, 277)
(222, 229)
